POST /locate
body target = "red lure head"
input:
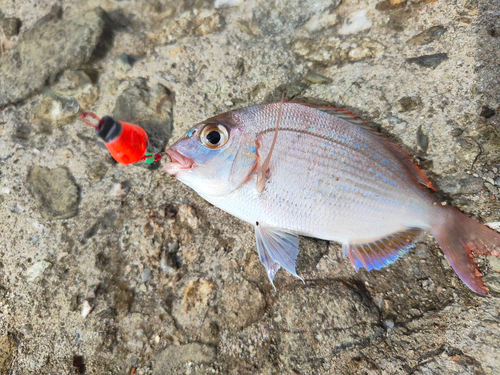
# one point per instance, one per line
(126, 142)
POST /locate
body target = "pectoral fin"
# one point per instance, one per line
(277, 248)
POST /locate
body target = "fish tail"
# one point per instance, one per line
(459, 236)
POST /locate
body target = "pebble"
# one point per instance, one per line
(429, 61)
(175, 359)
(227, 3)
(355, 23)
(119, 190)
(187, 214)
(123, 63)
(409, 103)
(422, 139)
(10, 26)
(389, 324)
(320, 22)
(56, 192)
(399, 126)
(78, 86)
(316, 78)
(333, 51)
(427, 36)
(460, 184)
(146, 275)
(52, 111)
(487, 112)
(86, 309)
(36, 270)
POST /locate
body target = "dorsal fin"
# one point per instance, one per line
(344, 114)
(418, 173)
(356, 120)
(382, 252)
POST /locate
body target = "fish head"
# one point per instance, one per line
(214, 157)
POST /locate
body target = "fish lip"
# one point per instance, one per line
(177, 162)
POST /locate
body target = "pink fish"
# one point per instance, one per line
(328, 177)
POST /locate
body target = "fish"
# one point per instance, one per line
(295, 169)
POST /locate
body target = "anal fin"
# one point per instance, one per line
(277, 248)
(383, 252)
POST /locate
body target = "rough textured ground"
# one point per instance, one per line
(109, 269)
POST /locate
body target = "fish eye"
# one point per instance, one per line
(214, 136)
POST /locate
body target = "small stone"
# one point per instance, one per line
(429, 61)
(239, 69)
(398, 124)
(409, 103)
(427, 36)
(52, 111)
(8, 350)
(22, 130)
(76, 85)
(363, 49)
(97, 171)
(86, 309)
(119, 190)
(56, 192)
(168, 262)
(328, 52)
(123, 63)
(207, 22)
(487, 112)
(356, 22)
(389, 324)
(173, 359)
(316, 78)
(390, 5)
(422, 139)
(146, 275)
(247, 27)
(460, 184)
(46, 50)
(227, 3)
(36, 270)
(10, 26)
(187, 215)
(493, 189)
(421, 250)
(320, 22)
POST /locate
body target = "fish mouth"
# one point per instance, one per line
(178, 162)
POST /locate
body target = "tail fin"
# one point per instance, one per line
(460, 236)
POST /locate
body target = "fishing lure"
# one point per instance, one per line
(126, 142)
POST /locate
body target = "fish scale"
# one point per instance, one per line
(327, 177)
